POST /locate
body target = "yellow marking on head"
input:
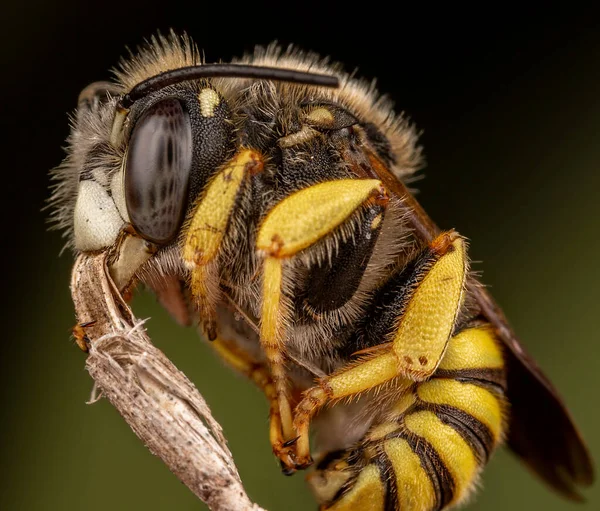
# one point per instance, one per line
(428, 321)
(367, 494)
(96, 219)
(376, 221)
(306, 216)
(116, 132)
(452, 449)
(305, 134)
(209, 222)
(209, 100)
(472, 349)
(321, 116)
(471, 399)
(415, 489)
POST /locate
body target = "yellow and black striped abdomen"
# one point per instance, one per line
(428, 455)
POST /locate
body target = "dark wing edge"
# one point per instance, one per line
(542, 431)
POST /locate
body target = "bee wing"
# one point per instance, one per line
(541, 429)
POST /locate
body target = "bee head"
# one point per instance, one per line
(141, 157)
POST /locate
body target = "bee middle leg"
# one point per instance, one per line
(296, 223)
(259, 374)
(419, 325)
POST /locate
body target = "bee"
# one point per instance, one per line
(267, 200)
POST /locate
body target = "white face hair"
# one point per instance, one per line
(98, 219)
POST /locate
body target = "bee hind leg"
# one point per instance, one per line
(437, 437)
(419, 324)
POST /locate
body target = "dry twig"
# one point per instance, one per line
(161, 405)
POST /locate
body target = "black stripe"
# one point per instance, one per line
(346, 487)
(477, 435)
(484, 377)
(439, 475)
(387, 474)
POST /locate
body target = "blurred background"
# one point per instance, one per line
(509, 105)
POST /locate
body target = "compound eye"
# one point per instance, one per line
(157, 170)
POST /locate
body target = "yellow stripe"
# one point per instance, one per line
(378, 432)
(472, 399)
(415, 489)
(404, 403)
(309, 214)
(454, 452)
(367, 494)
(472, 349)
(326, 483)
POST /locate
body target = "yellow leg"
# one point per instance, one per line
(423, 333)
(272, 339)
(360, 377)
(430, 314)
(205, 231)
(426, 456)
(259, 374)
(294, 224)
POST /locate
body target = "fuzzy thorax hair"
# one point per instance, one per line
(91, 156)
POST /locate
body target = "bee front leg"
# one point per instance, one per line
(419, 325)
(297, 223)
(206, 229)
(202, 246)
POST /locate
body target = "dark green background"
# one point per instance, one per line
(510, 107)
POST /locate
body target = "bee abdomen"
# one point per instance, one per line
(429, 453)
